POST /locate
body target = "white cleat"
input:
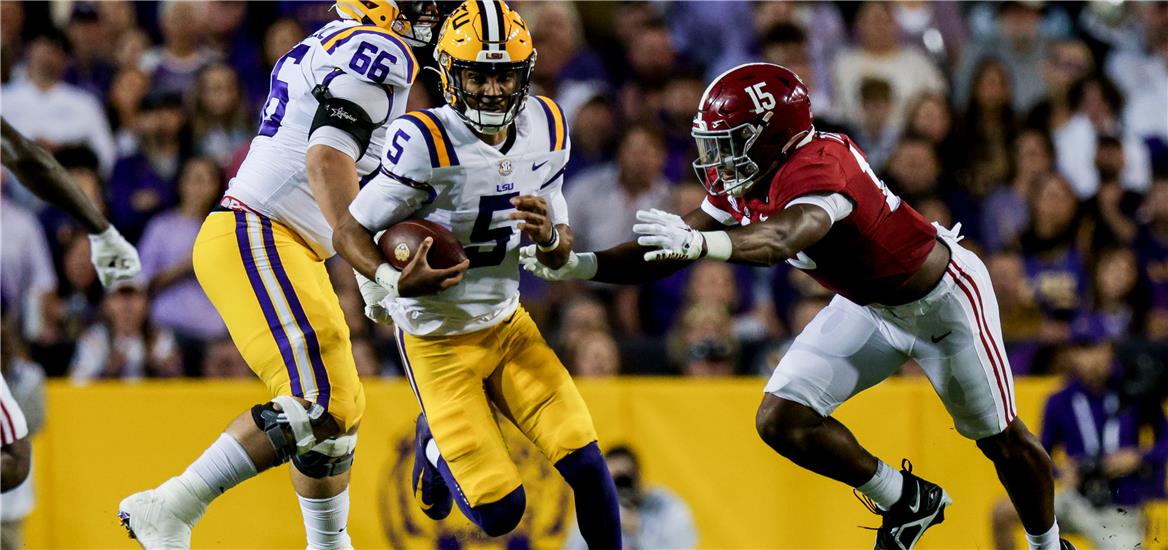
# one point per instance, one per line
(148, 519)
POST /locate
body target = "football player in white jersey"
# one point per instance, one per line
(488, 166)
(260, 258)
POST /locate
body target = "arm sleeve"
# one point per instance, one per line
(13, 426)
(372, 99)
(835, 204)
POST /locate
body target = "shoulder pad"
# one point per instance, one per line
(373, 54)
(557, 124)
(424, 127)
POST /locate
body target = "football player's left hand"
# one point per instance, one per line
(674, 239)
(113, 257)
(533, 218)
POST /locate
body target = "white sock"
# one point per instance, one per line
(222, 466)
(432, 453)
(1046, 541)
(325, 520)
(885, 486)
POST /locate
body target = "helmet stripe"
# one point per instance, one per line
(488, 13)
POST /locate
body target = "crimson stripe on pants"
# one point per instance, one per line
(989, 354)
(993, 342)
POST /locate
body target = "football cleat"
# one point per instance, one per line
(921, 505)
(148, 520)
(430, 490)
(1065, 545)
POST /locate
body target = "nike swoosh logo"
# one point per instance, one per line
(936, 339)
(418, 496)
(916, 506)
(535, 166)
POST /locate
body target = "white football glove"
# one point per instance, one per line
(373, 294)
(670, 234)
(578, 266)
(113, 257)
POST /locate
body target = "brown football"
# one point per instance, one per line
(401, 240)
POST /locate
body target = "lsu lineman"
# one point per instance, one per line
(260, 258)
(489, 158)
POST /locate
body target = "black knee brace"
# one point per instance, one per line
(289, 434)
(331, 457)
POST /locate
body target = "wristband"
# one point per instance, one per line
(387, 277)
(587, 265)
(718, 245)
(551, 245)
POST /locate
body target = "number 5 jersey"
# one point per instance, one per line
(436, 168)
(368, 66)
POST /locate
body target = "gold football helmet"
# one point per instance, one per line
(487, 38)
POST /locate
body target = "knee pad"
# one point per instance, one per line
(333, 456)
(292, 417)
(502, 516)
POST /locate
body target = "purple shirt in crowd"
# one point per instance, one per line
(1086, 424)
(182, 307)
(1153, 256)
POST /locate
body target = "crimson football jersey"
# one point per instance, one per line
(867, 256)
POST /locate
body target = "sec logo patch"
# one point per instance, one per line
(401, 252)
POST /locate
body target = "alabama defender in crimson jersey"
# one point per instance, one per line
(781, 191)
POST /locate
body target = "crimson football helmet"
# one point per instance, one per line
(748, 119)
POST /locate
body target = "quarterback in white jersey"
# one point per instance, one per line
(488, 166)
(260, 259)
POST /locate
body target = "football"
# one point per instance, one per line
(401, 240)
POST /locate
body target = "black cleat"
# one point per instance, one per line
(921, 505)
(125, 519)
(1064, 545)
(430, 491)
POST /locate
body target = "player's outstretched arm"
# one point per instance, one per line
(113, 256)
(625, 263)
(762, 244)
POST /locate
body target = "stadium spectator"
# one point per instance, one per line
(177, 303)
(650, 517)
(913, 170)
(1051, 247)
(786, 44)
(130, 48)
(1151, 248)
(1067, 62)
(717, 285)
(1006, 211)
(710, 34)
(124, 344)
(929, 116)
(679, 95)
(936, 28)
(60, 228)
(27, 279)
(222, 360)
(91, 69)
(1111, 212)
(1111, 314)
(281, 36)
(1096, 103)
(878, 55)
(595, 355)
(55, 113)
(221, 120)
(228, 41)
(78, 302)
(1019, 45)
(142, 183)
(987, 130)
(651, 58)
(1021, 317)
(129, 88)
(174, 66)
(1108, 475)
(580, 316)
(26, 381)
(593, 132)
(603, 201)
(823, 45)
(702, 342)
(876, 130)
(118, 17)
(565, 61)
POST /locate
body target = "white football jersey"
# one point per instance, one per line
(273, 180)
(435, 168)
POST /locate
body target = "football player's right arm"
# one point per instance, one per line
(113, 257)
(395, 194)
